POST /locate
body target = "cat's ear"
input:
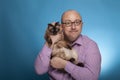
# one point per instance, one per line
(57, 24)
(50, 26)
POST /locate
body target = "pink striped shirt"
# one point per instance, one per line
(88, 54)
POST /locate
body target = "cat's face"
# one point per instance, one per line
(54, 29)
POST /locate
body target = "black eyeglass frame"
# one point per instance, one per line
(69, 23)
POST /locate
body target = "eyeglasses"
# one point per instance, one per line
(69, 23)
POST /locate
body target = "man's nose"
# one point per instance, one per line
(73, 26)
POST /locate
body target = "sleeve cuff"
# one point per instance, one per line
(69, 67)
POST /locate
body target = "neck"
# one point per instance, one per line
(70, 42)
(67, 40)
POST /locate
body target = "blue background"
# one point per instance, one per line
(23, 24)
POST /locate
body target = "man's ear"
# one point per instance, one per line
(61, 26)
(82, 23)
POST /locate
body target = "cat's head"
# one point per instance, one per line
(54, 29)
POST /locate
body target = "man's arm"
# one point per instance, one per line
(92, 65)
(42, 60)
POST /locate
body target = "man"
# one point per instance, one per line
(87, 49)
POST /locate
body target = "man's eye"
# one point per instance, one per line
(76, 22)
(68, 23)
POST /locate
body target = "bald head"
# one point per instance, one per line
(69, 15)
(71, 25)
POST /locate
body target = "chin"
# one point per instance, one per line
(71, 37)
(72, 40)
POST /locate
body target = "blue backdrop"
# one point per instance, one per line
(23, 24)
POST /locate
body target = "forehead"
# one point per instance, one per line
(71, 15)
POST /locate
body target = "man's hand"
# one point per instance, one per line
(58, 63)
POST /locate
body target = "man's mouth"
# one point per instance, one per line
(73, 31)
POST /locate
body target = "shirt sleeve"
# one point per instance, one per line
(92, 65)
(42, 60)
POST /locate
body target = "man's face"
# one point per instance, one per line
(72, 25)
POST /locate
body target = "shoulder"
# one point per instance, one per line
(90, 45)
(87, 40)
